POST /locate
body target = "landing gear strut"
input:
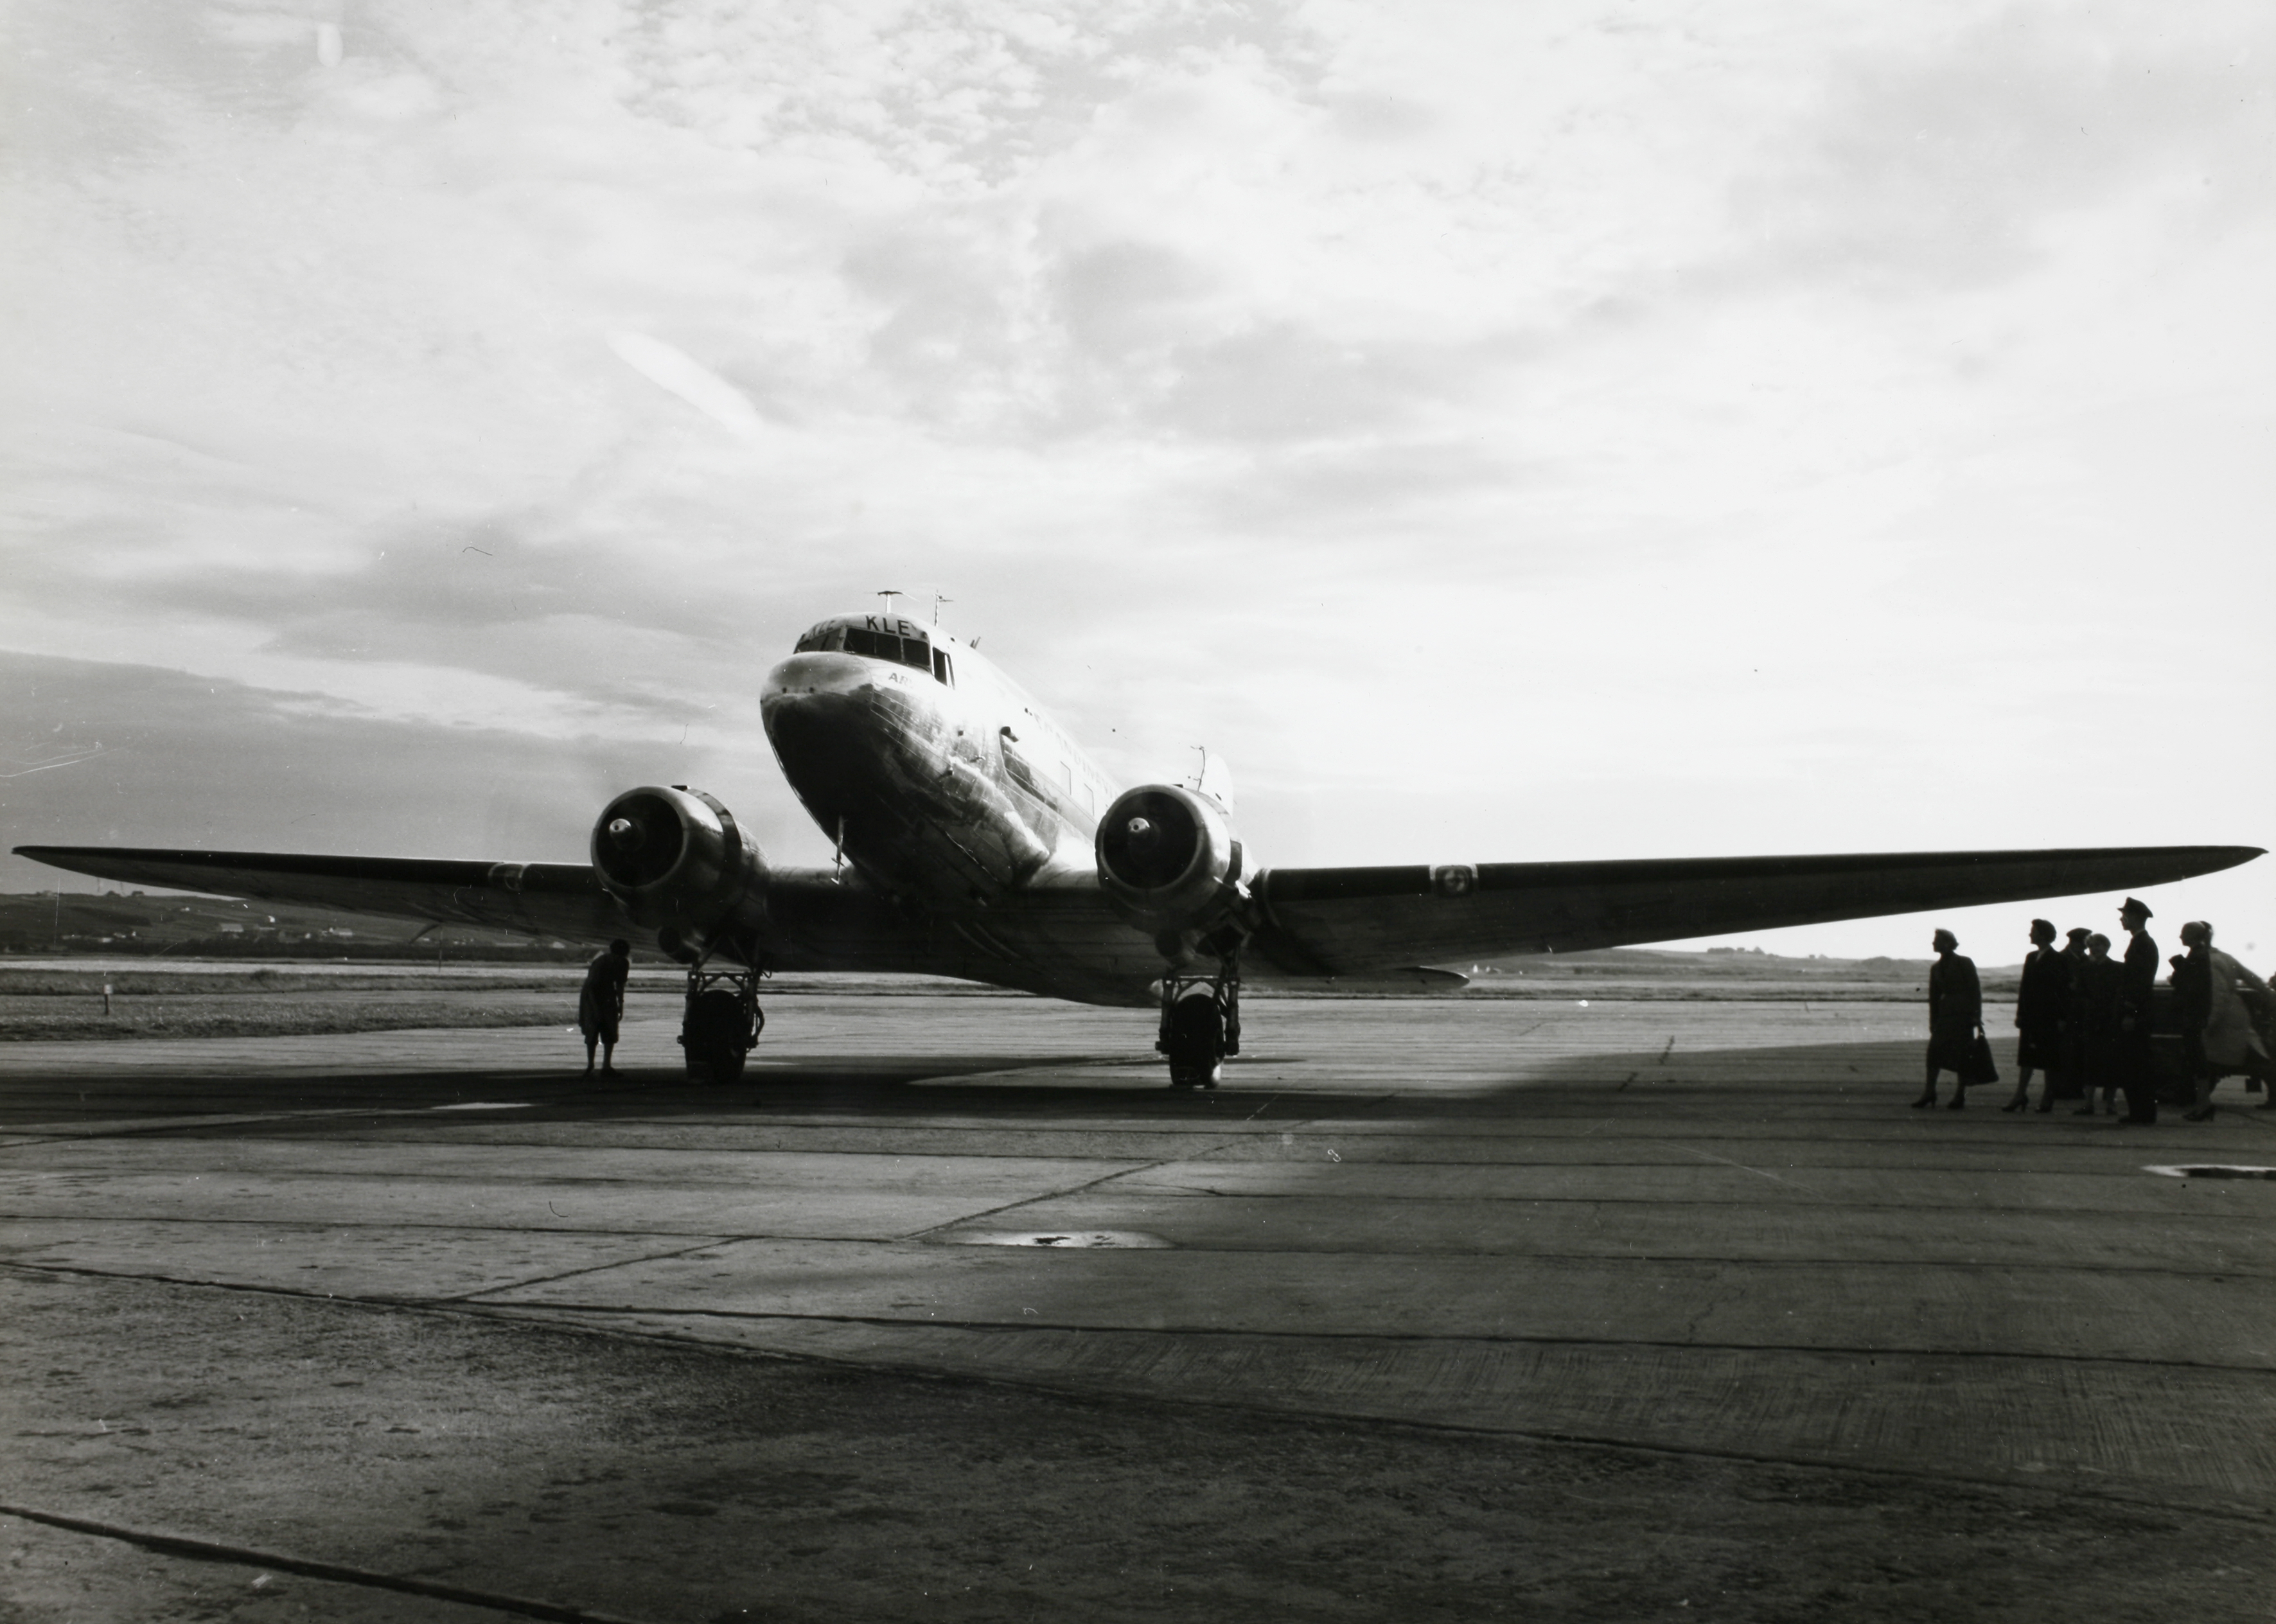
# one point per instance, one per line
(1200, 1025)
(723, 1021)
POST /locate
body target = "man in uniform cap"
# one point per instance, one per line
(2139, 980)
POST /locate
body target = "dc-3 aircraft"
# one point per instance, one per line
(975, 839)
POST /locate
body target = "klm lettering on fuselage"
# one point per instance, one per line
(935, 772)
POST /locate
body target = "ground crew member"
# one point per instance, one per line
(601, 1004)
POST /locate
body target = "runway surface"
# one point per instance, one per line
(1435, 1309)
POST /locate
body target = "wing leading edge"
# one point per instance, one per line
(550, 898)
(1345, 922)
(1316, 922)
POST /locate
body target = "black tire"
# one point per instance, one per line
(716, 1037)
(724, 1066)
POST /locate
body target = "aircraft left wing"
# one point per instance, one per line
(544, 898)
(1347, 922)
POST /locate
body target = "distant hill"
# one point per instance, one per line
(1740, 963)
(1718, 972)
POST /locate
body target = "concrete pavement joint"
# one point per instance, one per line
(1227, 1143)
(339, 1573)
(1027, 1327)
(2229, 1511)
(1742, 1167)
(571, 1274)
(1927, 1262)
(553, 1323)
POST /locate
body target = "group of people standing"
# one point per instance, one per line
(2083, 1019)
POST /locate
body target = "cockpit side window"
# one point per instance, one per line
(821, 640)
(942, 671)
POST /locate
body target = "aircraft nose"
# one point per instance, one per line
(836, 709)
(813, 676)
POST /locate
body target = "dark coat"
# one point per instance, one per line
(2098, 981)
(2137, 981)
(1955, 998)
(2192, 991)
(2043, 999)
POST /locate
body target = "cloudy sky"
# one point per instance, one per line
(1503, 432)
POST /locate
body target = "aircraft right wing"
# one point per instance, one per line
(1349, 922)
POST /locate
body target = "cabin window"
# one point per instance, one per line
(1016, 766)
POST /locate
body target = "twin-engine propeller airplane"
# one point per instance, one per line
(975, 839)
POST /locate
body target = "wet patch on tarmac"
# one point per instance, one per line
(1070, 1240)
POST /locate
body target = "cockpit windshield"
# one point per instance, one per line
(898, 641)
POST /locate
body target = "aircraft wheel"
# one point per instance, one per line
(724, 1064)
(715, 1036)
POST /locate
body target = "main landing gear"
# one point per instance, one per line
(723, 1021)
(1200, 1025)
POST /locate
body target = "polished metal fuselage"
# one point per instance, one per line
(963, 809)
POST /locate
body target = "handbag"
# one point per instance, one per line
(1980, 1067)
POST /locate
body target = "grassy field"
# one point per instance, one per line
(52, 999)
(56, 999)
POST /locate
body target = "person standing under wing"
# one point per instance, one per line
(601, 1004)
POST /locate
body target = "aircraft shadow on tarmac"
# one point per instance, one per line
(1027, 1087)
(1573, 1085)
(1054, 1087)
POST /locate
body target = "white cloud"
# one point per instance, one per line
(1534, 430)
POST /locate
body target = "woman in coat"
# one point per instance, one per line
(2226, 1040)
(2042, 1001)
(1955, 1014)
(2098, 981)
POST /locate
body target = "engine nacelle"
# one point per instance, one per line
(680, 863)
(1168, 861)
